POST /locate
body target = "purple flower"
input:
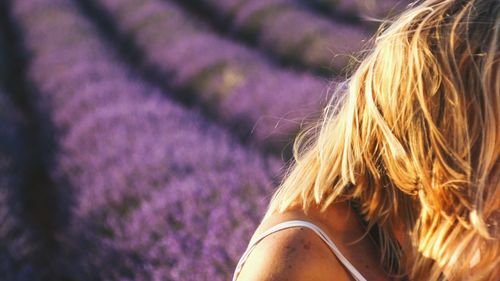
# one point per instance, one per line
(215, 68)
(16, 239)
(314, 40)
(366, 9)
(16, 245)
(134, 159)
(248, 12)
(204, 52)
(196, 227)
(283, 110)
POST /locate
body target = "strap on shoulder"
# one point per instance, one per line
(296, 223)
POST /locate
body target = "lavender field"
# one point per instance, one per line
(143, 139)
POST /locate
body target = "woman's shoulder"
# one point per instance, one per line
(295, 253)
(292, 254)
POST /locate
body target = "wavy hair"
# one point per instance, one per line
(414, 141)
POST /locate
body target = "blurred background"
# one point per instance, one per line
(143, 139)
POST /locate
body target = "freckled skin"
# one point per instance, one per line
(299, 254)
(292, 254)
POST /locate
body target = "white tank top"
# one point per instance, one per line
(297, 223)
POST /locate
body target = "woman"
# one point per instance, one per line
(401, 178)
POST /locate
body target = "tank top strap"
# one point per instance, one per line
(297, 223)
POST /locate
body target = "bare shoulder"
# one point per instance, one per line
(292, 254)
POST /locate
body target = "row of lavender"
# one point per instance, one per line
(369, 10)
(237, 84)
(158, 192)
(16, 238)
(291, 31)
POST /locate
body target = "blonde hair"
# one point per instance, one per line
(415, 141)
